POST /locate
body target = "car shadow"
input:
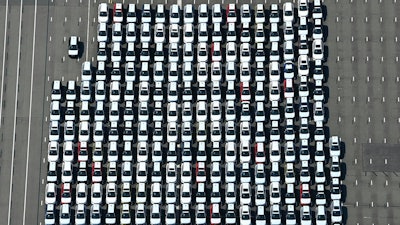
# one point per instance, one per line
(81, 49)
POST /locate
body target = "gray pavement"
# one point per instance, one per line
(370, 198)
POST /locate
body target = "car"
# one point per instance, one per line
(216, 53)
(188, 14)
(334, 146)
(81, 193)
(141, 193)
(289, 94)
(231, 16)
(145, 33)
(274, 33)
(188, 33)
(174, 34)
(319, 111)
(200, 194)
(274, 112)
(321, 216)
(274, 94)
(56, 91)
(54, 131)
(65, 214)
(126, 193)
(53, 152)
(245, 131)
(303, 26)
(317, 10)
(174, 14)
(200, 214)
(318, 94)
(336, 192)
(260, 53)
(126, 172)
(116, 52)
(100, 91)
(320, 198)
(155, 215)
(231, 33)
(202, 13)
(245, 214)
(245, 53)
(290, 215)
(336, 212)
(288, 12)
(116, 32)
(275, 214)
(202, 33)
(130, 53)
(112, 172)
(303, 68)
(302, 8)
(102, 33)
(95, 214)
(304, 133)
(125, 214)
(274, 17)
(245, 193)
(275, 193)
(170, 214)
(274, 55)
(275, 151)
(55, 113)
(290, 196)
(231, 52)
(188, 53)
(155, 196)
(317, 30)
(260, 14)
(245, 36)
(230, 150)
(259, 174)
(230, 193)
(303, 87)
(335, 168)
(118, 16)
(318, 50)
(131, 16)
(215, 216)
(159, 33)
(202, 57)
(80, 214)
(305, 196)
(146, 14)
(131, 35)
(96, 193)
(200, 172)
(51, 193)
(305, 215)
(186, 193)
(111, 193)
(73, 47)
(288, 32)
(140, 215)
(102, 13)
(259, 36)
(174, 52)
(230, 111)
(216, 14)
(185, 216)
(288, 54)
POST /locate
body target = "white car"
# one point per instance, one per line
(202, 52)
(140, 214)
(216, 14)
(245, 36)
(245, 193)
(259, 36)
(188, 14)
(303, 65)
(73, 48)
(131, 16)
(288, 12)
(274, 93)
(245, 13)
(319, 111)
(336, 212)
(317, 10)
(303, 26)
(188, 33)
(54, 131)
(130, 53)
(231, 16)
(145, 33)
(96, 193)
(216, 53)
(305, 215)
(318, 50)
(174, 33)
(202, 13)
(116, 52)
(51, 193)
(259, 14)
(302, 8)
(274, 17)
(131, 35)
(102, 13)
(275, 193)
(288, 32)
(334, 146)
(146, 14)
(65, 214)
(125, 214)
(245, 52)
(288, 54)
(102, 32)
(117, 32)
(174, 14)
(275, 151)
(317, 31)
(231, 33)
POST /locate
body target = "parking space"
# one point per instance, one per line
(363, 60)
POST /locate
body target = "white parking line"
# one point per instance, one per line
(30, 115)
(87, 30)
(4, 58)
(15, 115)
